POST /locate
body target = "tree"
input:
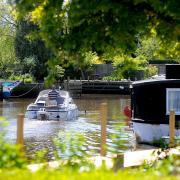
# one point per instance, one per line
(27, 48)
(152, 48)
(105, 26)
(100, 24)
(8, 60)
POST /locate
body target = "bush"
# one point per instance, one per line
(128, 68)
(151, 71)
(98, 174)
(27, 78)
(11, 155)
(72, 149)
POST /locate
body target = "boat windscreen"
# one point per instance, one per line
(60, 100)
(41, 103)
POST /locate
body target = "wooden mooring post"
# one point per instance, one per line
(103, 114)
(171, 128)
(20, 129)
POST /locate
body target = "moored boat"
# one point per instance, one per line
(52, 104)
(152, 101)
(8, 86)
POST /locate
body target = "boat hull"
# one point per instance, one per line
(6, 94)
(53, 115)
(149, 133)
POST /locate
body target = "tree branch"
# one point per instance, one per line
(8, 21)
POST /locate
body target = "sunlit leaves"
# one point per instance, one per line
(104, 26)
(36, 15)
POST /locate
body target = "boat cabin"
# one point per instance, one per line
(152, 101)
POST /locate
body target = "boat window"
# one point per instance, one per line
(52, 102)
(60, 100)
(41, 103)
(42, 98)
(173, 100)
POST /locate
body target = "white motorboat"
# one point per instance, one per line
(52, 104)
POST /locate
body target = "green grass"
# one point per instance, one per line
(69, 173)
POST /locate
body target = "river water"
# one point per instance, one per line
(40, 134)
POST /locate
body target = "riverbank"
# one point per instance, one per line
(75, 87)
(98, 87)
(124, 160)
(162, 169)
(27, 90)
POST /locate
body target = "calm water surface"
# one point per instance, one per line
(39, 134)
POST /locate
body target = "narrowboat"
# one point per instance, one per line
(152, 101)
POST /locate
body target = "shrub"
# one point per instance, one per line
(72, 149)
(11, 155)
(127, 68)
(151, 71)
(27, 78)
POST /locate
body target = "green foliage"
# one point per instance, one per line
(98, 28)
(162, 143)
(99, 25)
(84, 62)
(10, 65)
(118, 138)
(8, 59)
(72, 148)
(11, 155)
(27, 78)
(153, 48)
(147, 47)
(31, 50)
(165, 163)
(128, 174)
(88, 59)
(127, 67)
(102, 27)
(170, 165)
(58, 72)
(28, 65)
(150, 71)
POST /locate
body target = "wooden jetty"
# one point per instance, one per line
(126, 160)
(97, 86)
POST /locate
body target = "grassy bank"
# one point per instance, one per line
(95, 174)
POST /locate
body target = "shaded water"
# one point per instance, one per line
(39, 134)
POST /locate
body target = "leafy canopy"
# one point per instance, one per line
(100, 25)
(77, 30)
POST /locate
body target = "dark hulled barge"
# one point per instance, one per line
(152, 101)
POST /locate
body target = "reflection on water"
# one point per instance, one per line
(39, 134)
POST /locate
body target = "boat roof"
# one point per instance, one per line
(41, 101)
(155, 81)
(61, 93)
